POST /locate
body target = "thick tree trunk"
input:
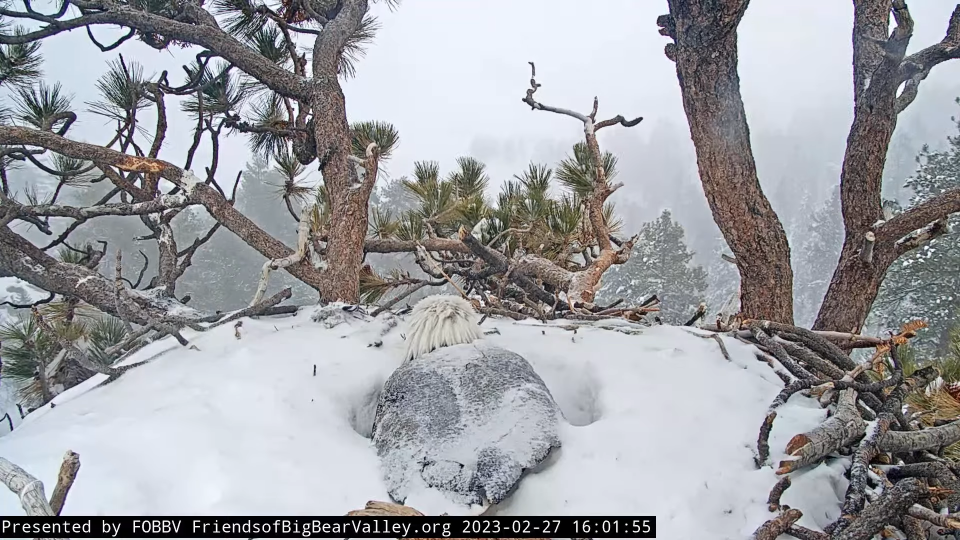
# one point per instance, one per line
(348, 196)
(705, 53)
(854, 287)
(856, 280)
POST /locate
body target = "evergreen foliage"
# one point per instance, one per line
(660, 265)
(925, 284)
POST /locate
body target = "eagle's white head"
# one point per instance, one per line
(438, 321)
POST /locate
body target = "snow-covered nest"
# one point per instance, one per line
(662, 424)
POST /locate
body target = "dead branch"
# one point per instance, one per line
(844, 428)
(582, 284)
(303, 237)
(254, 310)
(773, 500)
(68, 473)
(867, 450)
(410, 290)
(933, 470)
(813, 341)
(946, 521)
(28, 488)
(804, 533)
(925, 439)
(892, 504)
(773, 528)
(810, 358)
(701, 311)
(780, 353)
(922, 236)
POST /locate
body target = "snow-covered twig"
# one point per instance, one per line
(255, 309)
(921, 236)
(773, 528)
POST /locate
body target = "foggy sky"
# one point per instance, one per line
(450, 74)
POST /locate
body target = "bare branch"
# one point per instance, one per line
(200, 32)
(303, 237)
(28, 488)
(915, 68)
(68, 473)
(920, 215)
(922, 236)
(534, 104)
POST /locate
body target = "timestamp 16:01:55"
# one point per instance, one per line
(642, 527)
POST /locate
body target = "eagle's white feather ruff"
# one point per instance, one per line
(440, 321)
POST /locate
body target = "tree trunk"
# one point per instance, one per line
(705, 53)
(856, 280)
(348, 197)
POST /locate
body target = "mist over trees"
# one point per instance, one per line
(925, 284)
(661, 265)
(133, 230)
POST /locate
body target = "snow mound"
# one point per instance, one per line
(660, 424)
(465, 420)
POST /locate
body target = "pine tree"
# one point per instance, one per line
(815, 258)
(925, 284)
(659, 265)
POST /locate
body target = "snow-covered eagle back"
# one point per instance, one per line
(457, 427)
(438, 321)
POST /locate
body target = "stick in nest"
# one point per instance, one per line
(773, 528)
(68, 473)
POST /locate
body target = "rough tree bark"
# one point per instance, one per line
(880, 67)
(705, 53)
(349, 196)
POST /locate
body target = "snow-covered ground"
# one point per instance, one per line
(661, 424)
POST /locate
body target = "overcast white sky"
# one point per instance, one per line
(450, 75)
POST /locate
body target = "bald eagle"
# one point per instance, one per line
(461, 419)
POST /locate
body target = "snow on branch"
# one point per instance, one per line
(921, 215)
(878, 496)
(159, 204)
(921, 236)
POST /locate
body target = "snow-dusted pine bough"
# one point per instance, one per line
(899, 480)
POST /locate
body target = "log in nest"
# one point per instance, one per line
(898, 483)
(387, 509)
